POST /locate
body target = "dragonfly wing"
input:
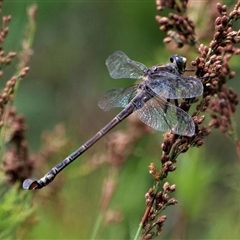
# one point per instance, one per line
(121, 66)
(117, 98)
(171, 86)
(165, 117)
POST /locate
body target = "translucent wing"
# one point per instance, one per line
(117, 98)
(121, 66)
(171, 86)
(165, 117)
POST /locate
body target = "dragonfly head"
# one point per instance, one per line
(179, 62)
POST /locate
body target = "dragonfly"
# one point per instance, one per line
(149, 100)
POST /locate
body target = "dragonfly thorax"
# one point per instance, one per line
(141, 102)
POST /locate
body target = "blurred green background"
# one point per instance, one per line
(67, 77)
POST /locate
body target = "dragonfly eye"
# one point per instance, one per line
(179, 62)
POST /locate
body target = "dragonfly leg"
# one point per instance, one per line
(176, 102)
(165, 112)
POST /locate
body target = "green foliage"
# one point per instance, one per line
(15, 208)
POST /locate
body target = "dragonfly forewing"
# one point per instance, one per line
(121, 66)
(165, 117)
(172, 86)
